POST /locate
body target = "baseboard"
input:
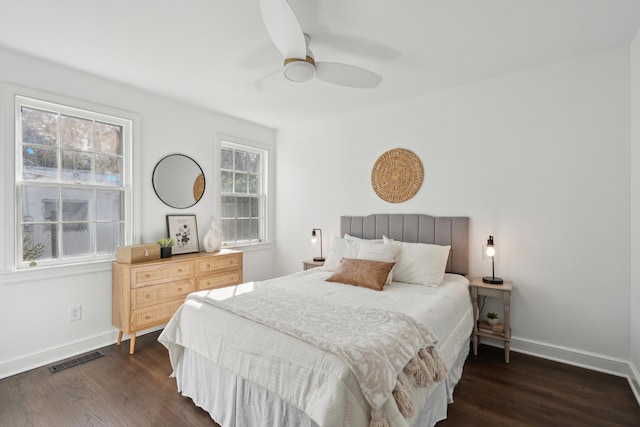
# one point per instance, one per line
(52, 355)
(570, 356)
(634, 380)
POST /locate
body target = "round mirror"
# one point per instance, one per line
(178, 181)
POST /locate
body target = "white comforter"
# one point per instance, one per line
(317, 382)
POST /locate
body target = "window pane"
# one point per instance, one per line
(77, 239)
(228, 230)
(75, 133)
(228, 207)
(244, 208)
(255, 207)
(253, 184)
(39, 242)
(40, 204)
(109, 235)
(226, 185)
(76, 167)
(241, 161)
(39, 164)
(108, 138)
(255, 231)
(254, 162)
(108, 170)
(77, 205)
(241, 183)
(244, 229)
(110, 206)
(226, 159)
(39, 127)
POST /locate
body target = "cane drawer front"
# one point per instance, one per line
(143, 276)
(161, 293)
(214, 264)
(220, 280)
(154, 315)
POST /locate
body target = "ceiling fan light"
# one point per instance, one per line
(299, 70)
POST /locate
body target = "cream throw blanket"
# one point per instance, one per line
(383, 349)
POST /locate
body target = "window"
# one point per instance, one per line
(243, 195)
(72, 184)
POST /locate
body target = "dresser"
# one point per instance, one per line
(147, 294)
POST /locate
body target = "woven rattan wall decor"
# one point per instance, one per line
(397, 175)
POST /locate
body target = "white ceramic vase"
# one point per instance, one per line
(213, 238)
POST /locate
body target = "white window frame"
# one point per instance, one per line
(266, 153)
(11, 265)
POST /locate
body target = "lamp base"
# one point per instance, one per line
(493, 280)
(318, 259)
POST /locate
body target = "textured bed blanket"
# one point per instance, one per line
(385, 350)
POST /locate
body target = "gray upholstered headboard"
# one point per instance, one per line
(416, 228)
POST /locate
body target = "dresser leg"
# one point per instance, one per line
(507, 347)
(132, 345)
(119, 337)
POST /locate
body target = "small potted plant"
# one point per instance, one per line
(492, 318)
(165, 247)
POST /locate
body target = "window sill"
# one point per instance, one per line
(15, 277)
(250, 247)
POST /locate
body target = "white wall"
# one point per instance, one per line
(539, 159)
(635, 213)
(34, 309)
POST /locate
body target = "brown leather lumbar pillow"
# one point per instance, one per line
(362, 272)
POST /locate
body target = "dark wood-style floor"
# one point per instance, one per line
(123, 390)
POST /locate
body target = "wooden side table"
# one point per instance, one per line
(309, 264)
(503, 291)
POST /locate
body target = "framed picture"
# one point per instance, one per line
(184, 230)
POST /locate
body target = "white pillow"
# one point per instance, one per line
(378, 252)
(419, 263)
(348, 236)
(340, 248)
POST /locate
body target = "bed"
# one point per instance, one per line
(248, 365)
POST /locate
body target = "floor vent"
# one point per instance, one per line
(75, 362)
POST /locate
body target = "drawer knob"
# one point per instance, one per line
(147, 275)
(208, 265)
(147, 317)
(147, 296)
(179, 270)
(179, 289)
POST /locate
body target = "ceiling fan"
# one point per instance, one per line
(299, 63)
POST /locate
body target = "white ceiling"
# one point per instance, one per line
(204, 52)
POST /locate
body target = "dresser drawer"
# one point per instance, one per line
(144, 276)
(157, 294)
(154, 315)
(219, 280)
(218, 263)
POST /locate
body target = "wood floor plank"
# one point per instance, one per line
(123, 390)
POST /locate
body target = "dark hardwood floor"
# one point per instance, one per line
(123, 390)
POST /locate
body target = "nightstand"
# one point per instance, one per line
(480, 327)
(309, 264)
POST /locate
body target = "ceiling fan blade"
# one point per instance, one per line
(347, 75)
(284, 28)
(263, 84)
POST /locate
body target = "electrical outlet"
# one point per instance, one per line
(75, 312)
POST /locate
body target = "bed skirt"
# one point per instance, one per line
(234, 402)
